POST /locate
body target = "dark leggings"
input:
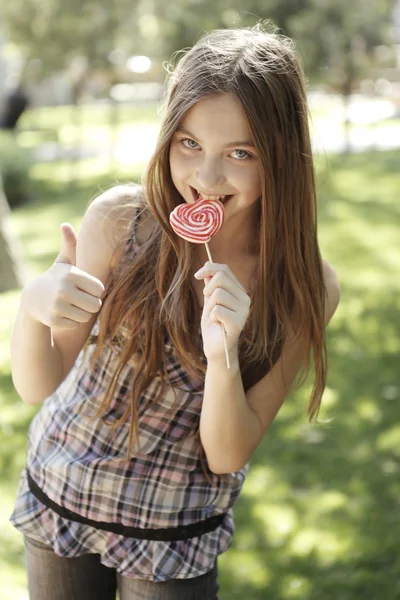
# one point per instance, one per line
(51, 577)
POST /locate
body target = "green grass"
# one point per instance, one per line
(318, 515)
(90, 115)
(89, 123)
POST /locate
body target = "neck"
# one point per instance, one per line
(239, 256)
(235, 240)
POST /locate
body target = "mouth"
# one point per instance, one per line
(199, 196)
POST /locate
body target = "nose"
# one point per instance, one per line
(210, 174)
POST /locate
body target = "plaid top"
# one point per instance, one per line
(81, 466)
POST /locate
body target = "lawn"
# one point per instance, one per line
(317, 518)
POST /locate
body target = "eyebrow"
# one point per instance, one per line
(248, 143)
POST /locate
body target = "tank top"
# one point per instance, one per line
(79, 494)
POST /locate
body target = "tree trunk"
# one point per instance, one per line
(346, 124)
(79, 78)
(12, 270)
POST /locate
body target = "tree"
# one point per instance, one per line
(76, 36)
(336, 39)
(342, 45)
(12, 270)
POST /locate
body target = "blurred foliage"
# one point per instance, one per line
(344, 38)
(58, 32)
(335, 38)
(15, 164)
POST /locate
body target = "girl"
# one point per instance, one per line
(143, 442)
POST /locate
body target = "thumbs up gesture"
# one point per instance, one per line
(64, 296)
(67, 254)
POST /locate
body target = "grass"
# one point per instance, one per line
(317, 518)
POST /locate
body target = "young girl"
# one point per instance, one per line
(143, 442)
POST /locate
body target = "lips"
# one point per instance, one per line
(196, 195)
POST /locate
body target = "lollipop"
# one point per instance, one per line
(198, 222)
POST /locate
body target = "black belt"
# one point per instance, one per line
(170, 534)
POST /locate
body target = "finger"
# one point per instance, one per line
(224, 281)
(225, 316)
(86, 282)
(83, 301)
(74, 313)
(210, 269)
(67, 252)
(223, 298)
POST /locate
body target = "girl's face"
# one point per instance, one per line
(212, 155)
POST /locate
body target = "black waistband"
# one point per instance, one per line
(172, 534)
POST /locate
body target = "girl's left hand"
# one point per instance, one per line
(225, 301)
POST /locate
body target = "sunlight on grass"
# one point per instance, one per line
(9, 302)
(89, 115)
(13, 577)
(389, 440)
(13, 414)
(327, 545)
(279, 521)
(14, 588)
(329, 501)
(295, 587)
(368, 410)
(248, 569)
(330, 398)
(63, 172)
(258, 478)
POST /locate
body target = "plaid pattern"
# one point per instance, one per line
(81, 465)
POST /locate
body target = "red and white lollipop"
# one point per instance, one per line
(197, 223)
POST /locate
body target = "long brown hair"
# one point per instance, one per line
(154, 293)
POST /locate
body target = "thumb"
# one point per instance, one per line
(67, 252)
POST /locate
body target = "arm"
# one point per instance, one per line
(233, 423)
(44, 346)
(36, 366)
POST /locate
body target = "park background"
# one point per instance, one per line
(318, 515)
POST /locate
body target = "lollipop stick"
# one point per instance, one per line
(208, 252)
(228, 363)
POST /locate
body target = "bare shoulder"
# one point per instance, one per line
(119, 196)
(332, 287)
(113, 211)
(103, 229)
(116, 208)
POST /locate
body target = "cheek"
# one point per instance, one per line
(177, 166)
(247, 180)
(177, 162)
(257, 182)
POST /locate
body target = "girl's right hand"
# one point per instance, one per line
(64, 296)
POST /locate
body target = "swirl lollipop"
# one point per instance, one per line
(198, 222)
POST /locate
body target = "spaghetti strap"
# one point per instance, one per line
(132, 243)
(136, 219)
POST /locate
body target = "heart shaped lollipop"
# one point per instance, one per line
(199, 221)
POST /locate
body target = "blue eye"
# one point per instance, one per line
(244, 154)
(188, 143)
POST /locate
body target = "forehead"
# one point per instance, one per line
(219, 117)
